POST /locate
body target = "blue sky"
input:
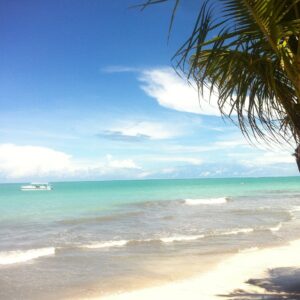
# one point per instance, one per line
(88, 93)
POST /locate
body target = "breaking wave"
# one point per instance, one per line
(121, 243)
(167, 239)
(107, 244)
(276, 228)
(180, 238)
(295, 208)
(19, 256)
(206, 201)
(237, 231)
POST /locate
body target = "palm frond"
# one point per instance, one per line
(251, 57)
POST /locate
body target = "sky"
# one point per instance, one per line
(88, 92)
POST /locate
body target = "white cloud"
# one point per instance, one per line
(33, 162)
(231, 143)
(188, 160)
(168, 170)
(205, 174)
(269, 158)
(120, 164)
(173, 92)
(21, 161)
(119, 69)
(152, 130)
(145, 174)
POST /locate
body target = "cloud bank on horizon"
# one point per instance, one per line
(21, 163)
(190, 140)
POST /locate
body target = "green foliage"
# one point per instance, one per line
(252, 61)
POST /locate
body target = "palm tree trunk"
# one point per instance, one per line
(293, 113)
(296, 123)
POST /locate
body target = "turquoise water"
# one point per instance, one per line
(77, 198)
(106, 236)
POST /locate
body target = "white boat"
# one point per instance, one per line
(36, 187)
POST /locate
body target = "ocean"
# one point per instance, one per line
(98, 238)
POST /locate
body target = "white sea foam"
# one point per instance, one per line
(237, 231)
(206, 201)
(121, 243)
(276, 228)
(296, 208)
(181, 238)
(19, 256)
(107, 244)
(168, 239)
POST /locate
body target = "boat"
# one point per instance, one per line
(36, 187)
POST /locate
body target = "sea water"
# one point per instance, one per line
(94, 238)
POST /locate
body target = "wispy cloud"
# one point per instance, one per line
(39, 133)
(119, 69)
(120, 164)
(140, 131)
(180, 159)
(116, 135)
(220, 145)
(269, 158)
(171, 91)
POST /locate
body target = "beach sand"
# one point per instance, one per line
(229, 276)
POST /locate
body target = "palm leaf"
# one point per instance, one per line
(253, 62)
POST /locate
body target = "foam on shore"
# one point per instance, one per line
(180, 238)
(237, 231)
(121, 243)
(276, 228)
(167, 239)
(206, 201)
(19, 256)
(241, 267)
(107, 244)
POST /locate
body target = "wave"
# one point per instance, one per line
(206, 201)
(19, 256)
(276, 228)
(121, 243)
(107, 244)
(295, 208)
(181, 238)
(168, 239)
(237, 231)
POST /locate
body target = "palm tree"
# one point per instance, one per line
(250, 54)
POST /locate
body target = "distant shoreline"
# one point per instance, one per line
(155, 179)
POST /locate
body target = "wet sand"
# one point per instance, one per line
(245, 272)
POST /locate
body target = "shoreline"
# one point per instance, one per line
(226, 277)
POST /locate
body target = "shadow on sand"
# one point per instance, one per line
(281, 284)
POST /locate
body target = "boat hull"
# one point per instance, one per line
(36, 188)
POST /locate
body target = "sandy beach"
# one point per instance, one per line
(150, 150)
(227, 277)
(172, 244)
